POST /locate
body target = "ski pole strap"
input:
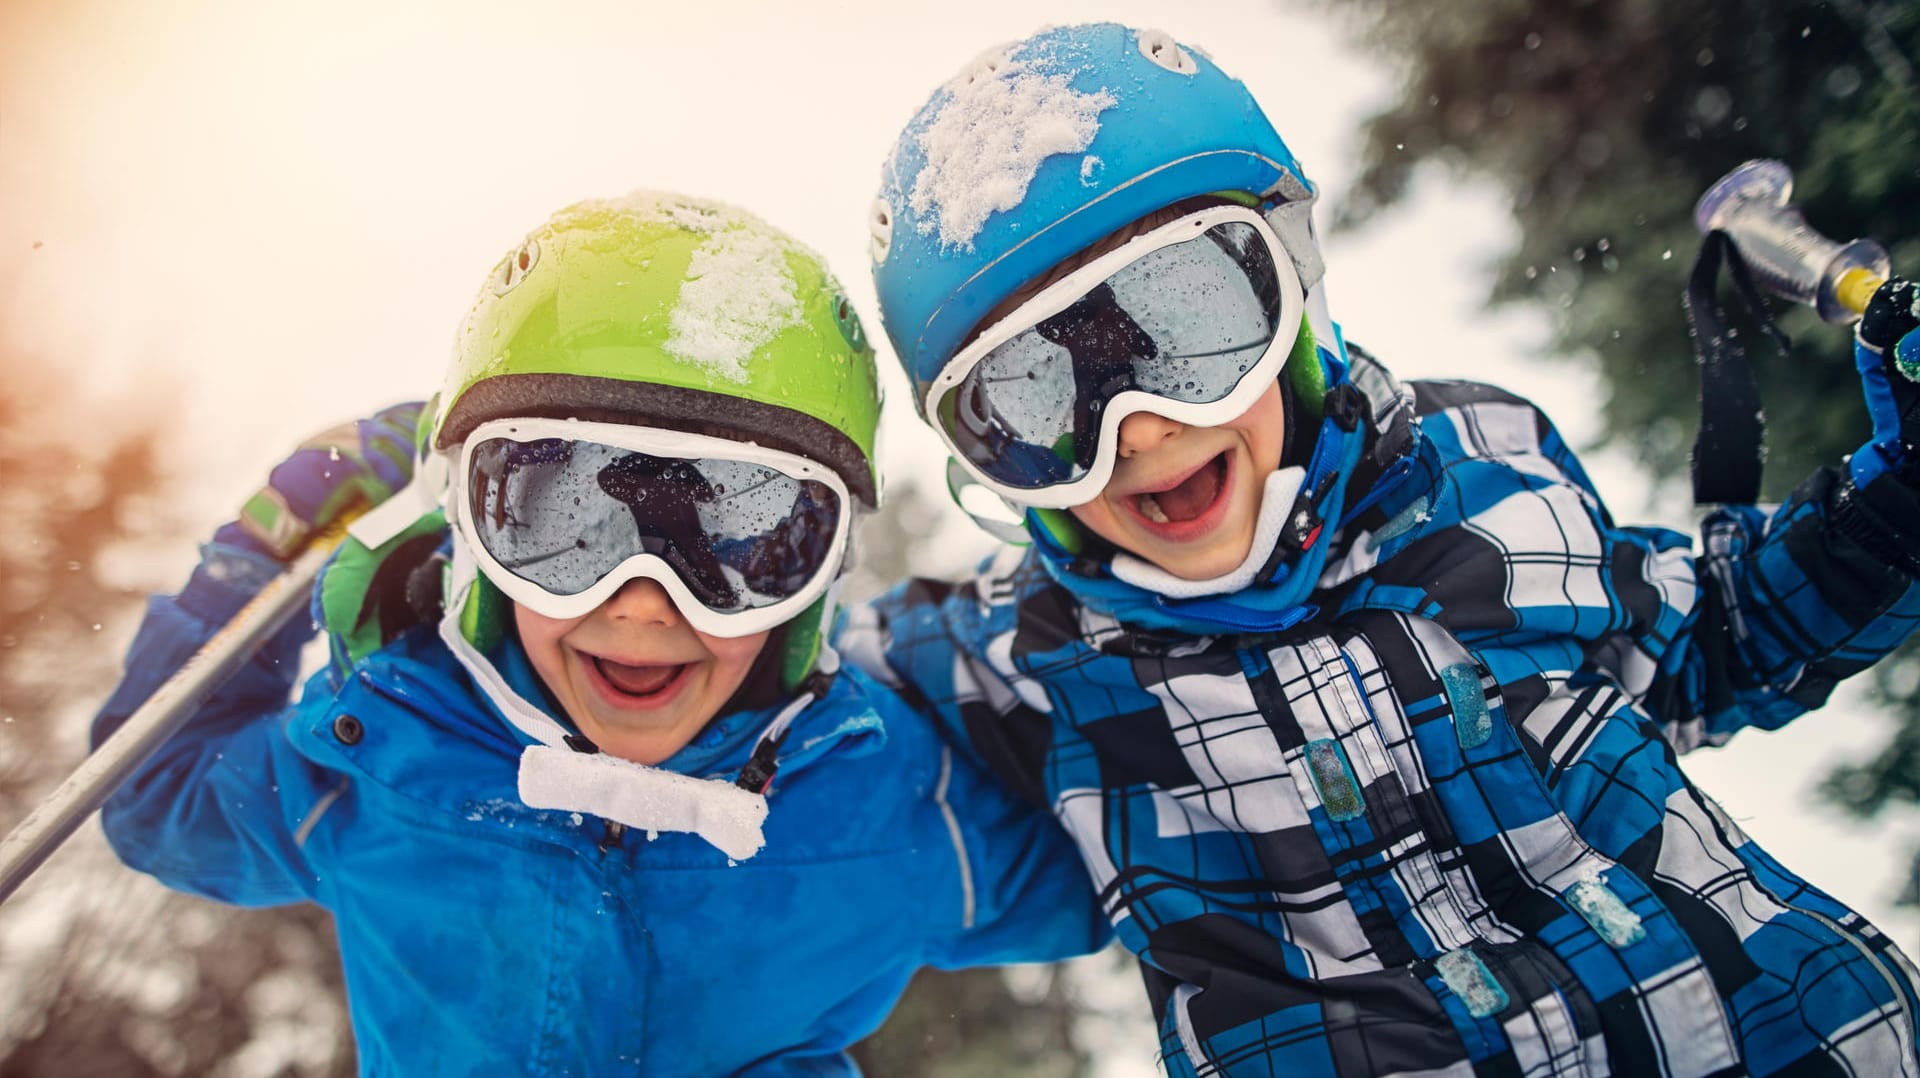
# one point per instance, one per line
(1728, 451)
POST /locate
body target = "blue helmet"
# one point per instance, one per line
(1042, 147)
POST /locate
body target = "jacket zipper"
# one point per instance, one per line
(1903, 1032)
(612, 839)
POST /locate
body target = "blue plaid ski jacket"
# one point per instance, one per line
(1436, 826)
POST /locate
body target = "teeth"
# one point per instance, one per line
(1150, 508)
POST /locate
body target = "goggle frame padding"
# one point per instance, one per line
(1068, 290)
(658, 442)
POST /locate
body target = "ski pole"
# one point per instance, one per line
(1788, 258)
(51, 822)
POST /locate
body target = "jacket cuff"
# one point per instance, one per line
(1883, 517)
(225, 579)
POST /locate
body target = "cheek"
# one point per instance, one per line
(1099, 518)
(541, 636)
(1264, 428)
(734, 656)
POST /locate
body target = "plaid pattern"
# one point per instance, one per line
(1440, 829)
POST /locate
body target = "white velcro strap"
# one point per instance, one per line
(648, 798)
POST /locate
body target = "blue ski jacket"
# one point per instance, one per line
(483, 937)
(1409, 803)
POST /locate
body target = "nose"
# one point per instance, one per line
(642, 600)
(1142, 431)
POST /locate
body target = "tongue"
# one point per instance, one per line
(1191, 497)
(637, 680)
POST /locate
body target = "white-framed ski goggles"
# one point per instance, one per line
(560, 513)
(1191, 321)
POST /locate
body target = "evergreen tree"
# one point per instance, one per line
(1604, 120)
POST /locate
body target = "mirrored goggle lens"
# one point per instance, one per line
(563, 514)
(1185, 322)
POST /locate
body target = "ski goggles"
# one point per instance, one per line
(1192, 321)
(561, 513)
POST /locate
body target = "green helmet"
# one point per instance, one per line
(671, 312)
(665, 311)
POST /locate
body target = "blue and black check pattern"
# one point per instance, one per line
(1440, 828)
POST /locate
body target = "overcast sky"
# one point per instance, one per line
(271, 216)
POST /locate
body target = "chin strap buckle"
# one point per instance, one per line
(1303, 526)
(757, 776)
(1345, 405)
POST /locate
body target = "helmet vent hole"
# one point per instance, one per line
(986, 66)
(515, 267)
(880, 228)
(1160, 47)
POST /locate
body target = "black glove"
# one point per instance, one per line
(1887, 352)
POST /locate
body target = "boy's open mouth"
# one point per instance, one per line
(1187, 499)
(646, 680)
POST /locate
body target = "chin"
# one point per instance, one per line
(1192, 564)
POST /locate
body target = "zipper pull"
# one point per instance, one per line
(615, 832)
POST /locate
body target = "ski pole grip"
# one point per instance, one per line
(1752, 205)
(51, 822)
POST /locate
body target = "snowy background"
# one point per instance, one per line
(260, 219)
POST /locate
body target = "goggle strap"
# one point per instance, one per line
(422, 495)
(1292, 220)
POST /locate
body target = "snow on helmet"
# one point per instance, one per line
(1042, 147)
(671, 312)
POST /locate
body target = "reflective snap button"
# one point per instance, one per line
(348, 729)
(1333, 777)
(1472, 722)
(1471, 980)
